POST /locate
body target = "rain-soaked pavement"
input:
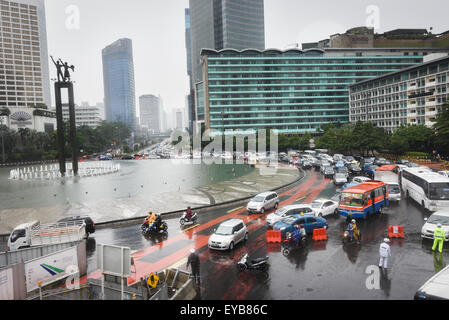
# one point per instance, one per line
(325, 270)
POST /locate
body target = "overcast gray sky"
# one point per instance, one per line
(157, 30)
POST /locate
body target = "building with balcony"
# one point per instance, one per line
(413, 95)
(293, 91)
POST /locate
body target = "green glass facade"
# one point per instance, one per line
(293, 91)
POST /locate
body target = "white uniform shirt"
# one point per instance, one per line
(384, 250)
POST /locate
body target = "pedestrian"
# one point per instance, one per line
(194, 262)
(438, 238)
(385, 253)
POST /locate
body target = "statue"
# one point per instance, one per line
(65, 77)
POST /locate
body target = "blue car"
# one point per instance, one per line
(369, 169)
(349, 184)
(309, 221)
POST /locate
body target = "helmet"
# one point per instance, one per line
(439, 225)
(192, 250)
(353, 220)
(386, 240)
(188, 207)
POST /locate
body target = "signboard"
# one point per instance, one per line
(153, 280)
(50, 268)
(6, 285)
(113, 260)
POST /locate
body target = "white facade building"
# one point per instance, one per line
(85, 114)
(24, 70)
(412, 95)
(40, 120)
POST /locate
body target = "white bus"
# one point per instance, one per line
(429, 189)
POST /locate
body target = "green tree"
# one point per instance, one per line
(441, 128)
(304, 141)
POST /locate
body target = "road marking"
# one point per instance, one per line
(177, 264)
(299, 199)
(190, 228)
(234, 209)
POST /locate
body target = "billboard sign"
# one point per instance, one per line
(51, 268)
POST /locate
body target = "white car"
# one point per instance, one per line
(340, 179)
(394, 191)
(324, 207)
(288, 211)
(228, 234)
(441, 216)
(262, 202)
(444, 173)
(360, 179)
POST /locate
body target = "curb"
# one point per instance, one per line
(179, 213)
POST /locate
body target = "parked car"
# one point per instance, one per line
(328, 172)
(228, 234)
(127, 157)
(444, 173)
(369, 170)
(324, 207)
(402, 161)
(262, 202)
(343, 170)
(90, 225)
(288, 211)
(412, 165)
(440, 216)
(349, 185)
(340, 179)
(354, 168)
(306, 164)
(309, 221)
(360, 179)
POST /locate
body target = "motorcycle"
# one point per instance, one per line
(162, 229)
(347, 238)
(184, 220)
(289, 244)
(261, 264)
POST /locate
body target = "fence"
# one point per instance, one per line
(23, 255)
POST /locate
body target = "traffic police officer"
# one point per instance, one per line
(438, 236)
(385, 253)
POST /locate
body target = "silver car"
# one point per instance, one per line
(262, 202)
(228, 234)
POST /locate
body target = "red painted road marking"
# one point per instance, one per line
(145, 268)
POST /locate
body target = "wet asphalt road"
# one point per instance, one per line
(325, 270)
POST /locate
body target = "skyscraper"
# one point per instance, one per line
(151, 113)
(191, 95)
(24, 72)
(119, 87)
(219, 24)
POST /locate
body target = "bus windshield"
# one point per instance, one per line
(439, 191)
(351, 199)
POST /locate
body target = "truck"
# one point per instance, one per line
(34, 233)
(390, 175)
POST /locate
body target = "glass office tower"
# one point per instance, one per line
(293, 91)
(119, 87)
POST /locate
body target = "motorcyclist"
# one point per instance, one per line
(303, 231)
(150, 219)
(188, 214)
(349, 228)
(157, 222)
(355, 230)
(296, 234)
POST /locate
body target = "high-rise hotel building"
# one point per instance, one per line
(24, 70)
(293, 91)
